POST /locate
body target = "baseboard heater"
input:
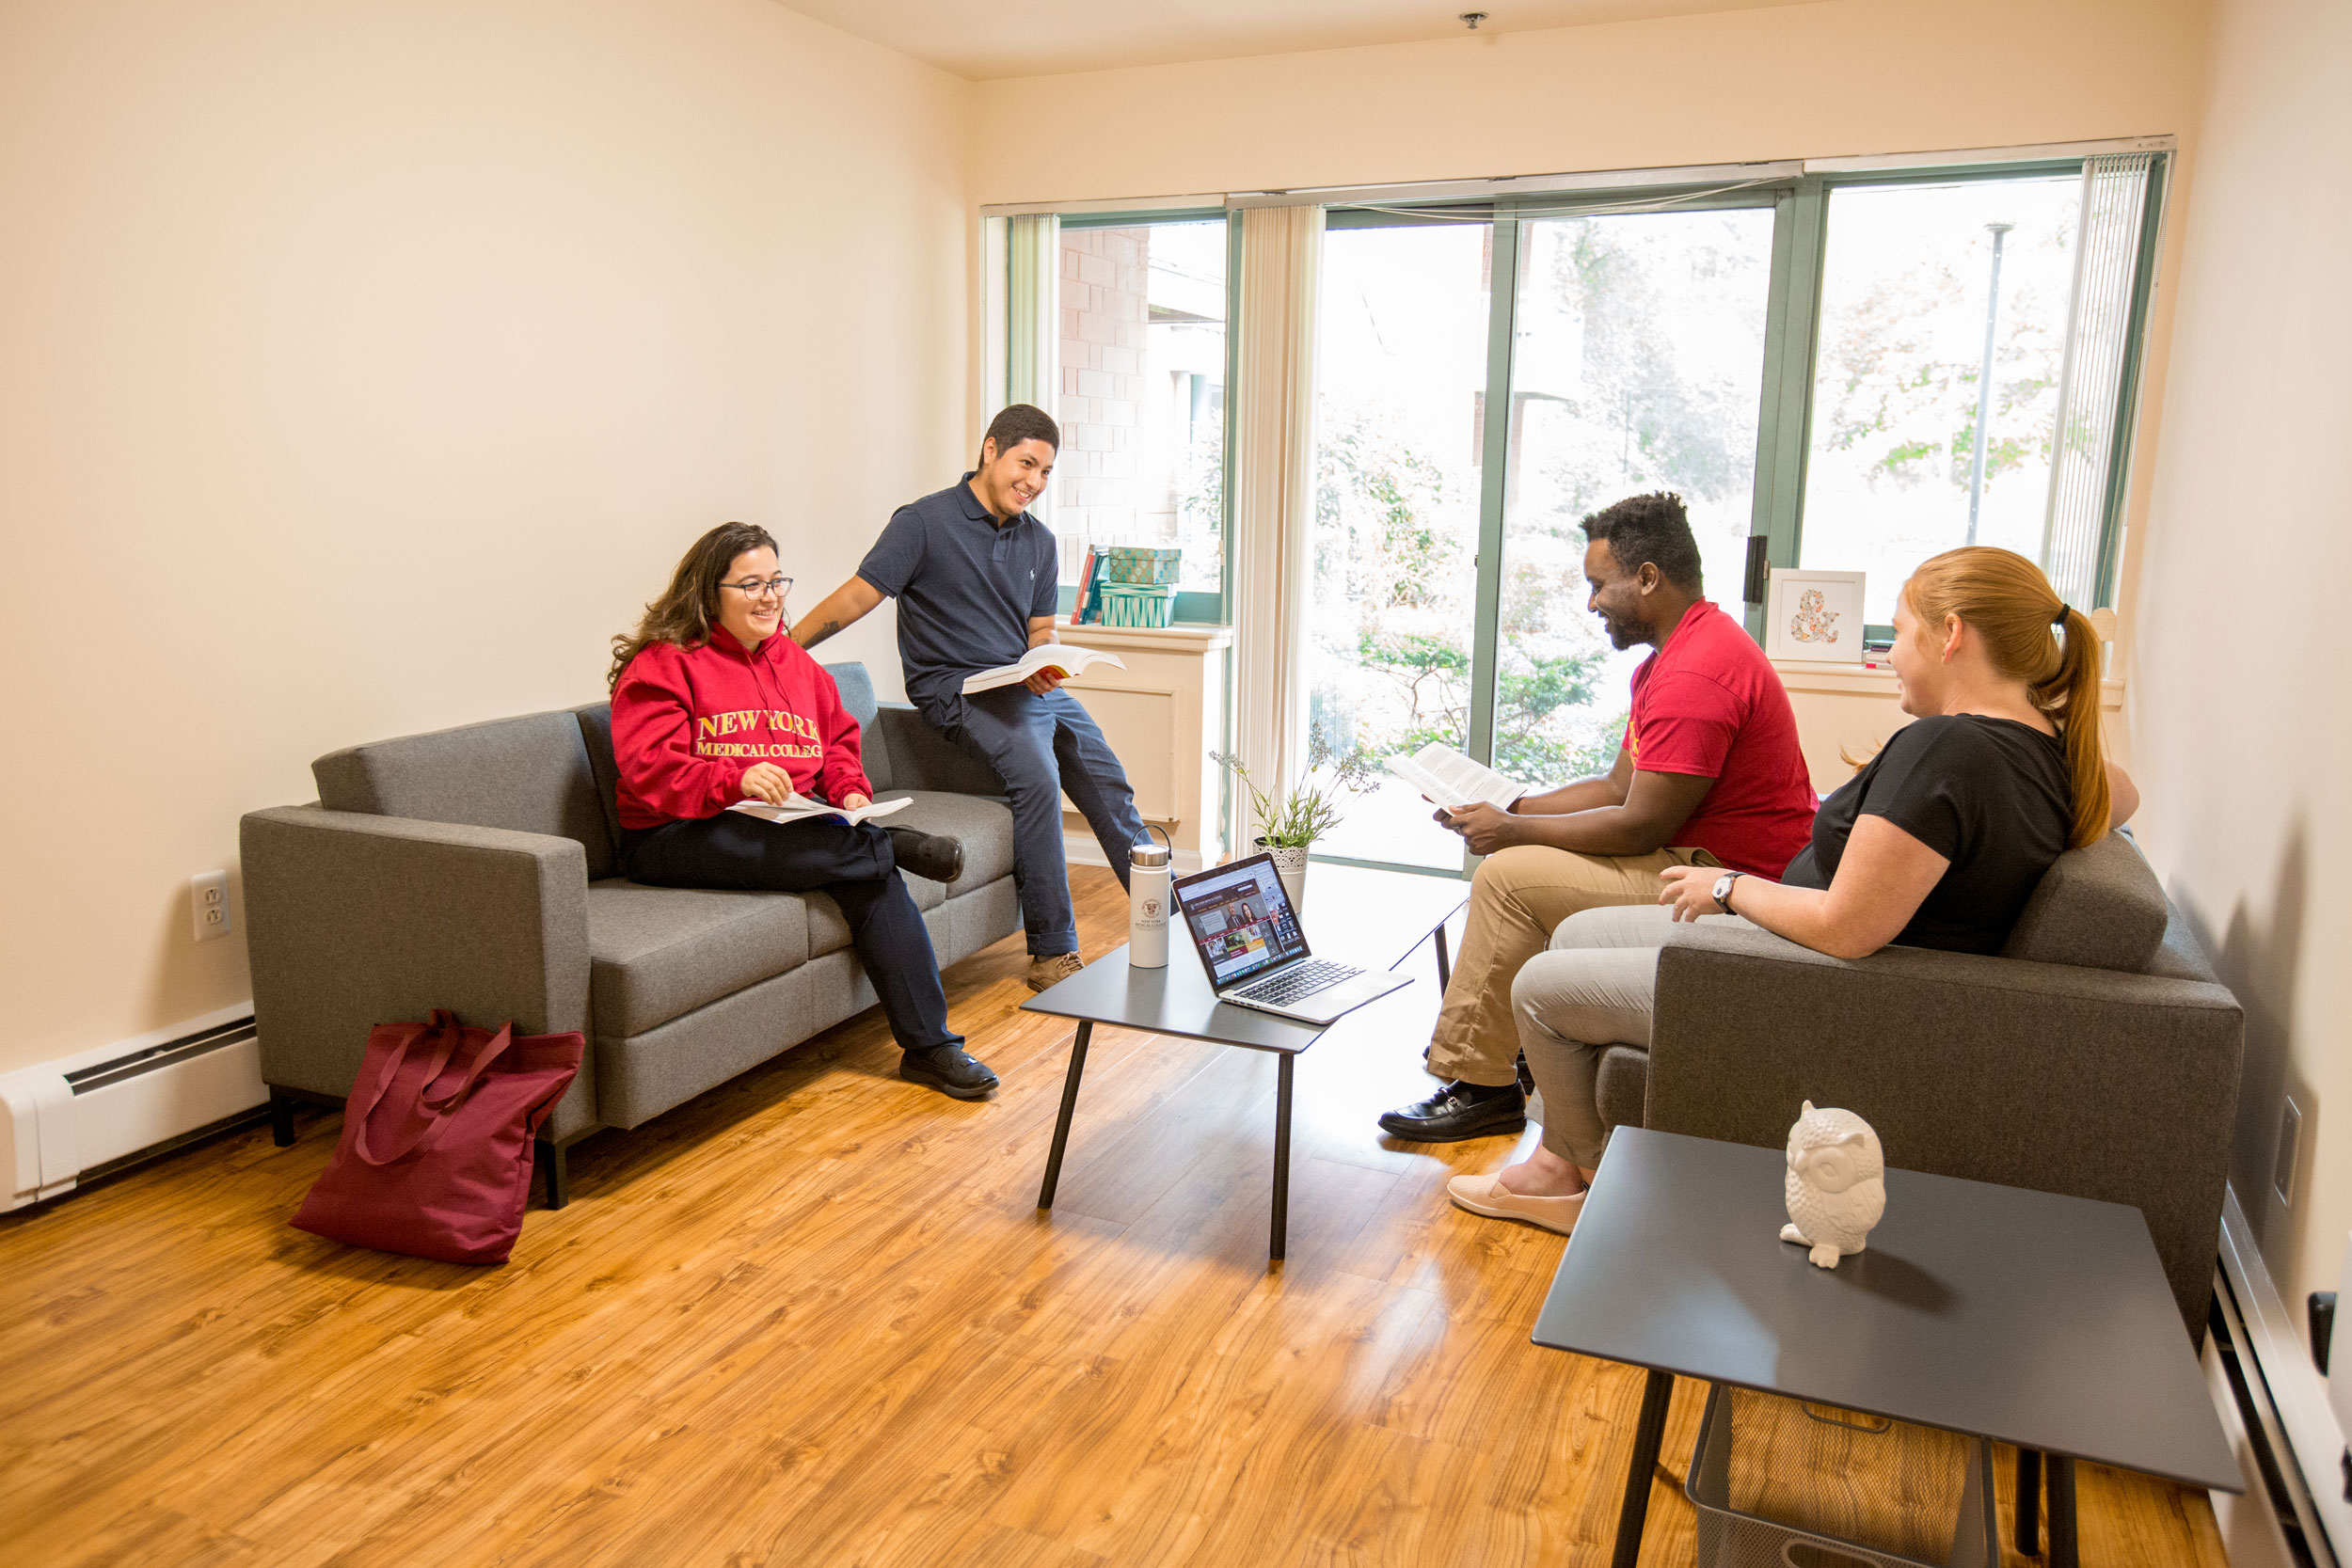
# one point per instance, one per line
(67, 1122)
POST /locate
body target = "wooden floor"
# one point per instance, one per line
(814, 1317)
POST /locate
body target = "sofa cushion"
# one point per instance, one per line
(2097, 908)
(595, 734)
(985, 828)
(656, 953)
(529, 775)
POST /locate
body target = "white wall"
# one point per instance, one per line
(2241, 706)
(364, 365)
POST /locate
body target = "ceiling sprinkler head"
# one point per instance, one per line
(1471, 19)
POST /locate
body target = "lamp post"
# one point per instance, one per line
(1984, 378)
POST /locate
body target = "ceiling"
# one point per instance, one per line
(985, 39)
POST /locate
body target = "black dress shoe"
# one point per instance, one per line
(927, 854)
(949, 1068)
(1457, 1112)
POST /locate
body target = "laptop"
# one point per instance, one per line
(1248, 939)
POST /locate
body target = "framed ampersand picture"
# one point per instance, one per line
(1814, 615)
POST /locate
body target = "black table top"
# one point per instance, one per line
(1372, 919)
(2026, 1317)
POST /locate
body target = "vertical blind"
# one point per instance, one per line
(2090, 384)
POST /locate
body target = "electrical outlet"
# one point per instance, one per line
(2290, 1146)
(208, 900)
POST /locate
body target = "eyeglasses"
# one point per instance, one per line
(758, 588)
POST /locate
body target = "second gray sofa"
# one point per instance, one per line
(474, 869)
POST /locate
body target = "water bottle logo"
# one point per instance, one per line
(1150, 908)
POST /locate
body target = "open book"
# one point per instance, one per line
(1056, 656)
(1453, 780)
(801, 809)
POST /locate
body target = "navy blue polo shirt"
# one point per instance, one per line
(966, 590)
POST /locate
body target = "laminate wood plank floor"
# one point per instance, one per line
(815, 1318)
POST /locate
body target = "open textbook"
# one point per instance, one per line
(1453, 780)
(801, 809)
(1068, 660)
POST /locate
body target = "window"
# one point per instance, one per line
(1924, 289)
(1846, 368)
(1138, 379)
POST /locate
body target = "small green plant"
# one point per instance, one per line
(1301, 815)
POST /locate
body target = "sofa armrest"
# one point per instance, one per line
(922, 758)
(354, 920)
(2097, 1083)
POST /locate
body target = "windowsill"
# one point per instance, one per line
(1183, 637)
(1822, 678)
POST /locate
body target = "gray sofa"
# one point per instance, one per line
(474, 869)
(2098, 1056)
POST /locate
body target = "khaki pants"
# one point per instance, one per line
(1517, 900)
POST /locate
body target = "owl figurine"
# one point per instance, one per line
(1837, 1184)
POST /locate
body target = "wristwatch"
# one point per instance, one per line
(1722, 888)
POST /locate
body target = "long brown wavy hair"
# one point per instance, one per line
(688, 608)
(2011, 605)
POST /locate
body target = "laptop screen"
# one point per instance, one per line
(1241, 919)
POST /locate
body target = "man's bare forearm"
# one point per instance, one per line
(1583, 796)
(1610, 829)
(840, 609)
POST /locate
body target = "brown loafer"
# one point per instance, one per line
(1486, 1194)
(1047, 970)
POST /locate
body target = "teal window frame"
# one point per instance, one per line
(1192, 607)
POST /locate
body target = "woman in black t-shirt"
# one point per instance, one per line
(1937, 842)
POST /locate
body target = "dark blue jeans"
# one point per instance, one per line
(1044, 748)
(852, 865)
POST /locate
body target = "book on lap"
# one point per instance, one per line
(1060, 658)
(801, 809)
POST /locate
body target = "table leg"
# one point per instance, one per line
(1069, 1103)
(1445, 961)
(1649, 1432)
(2062, 1548)
(1280, 1240)
(2029, 1501)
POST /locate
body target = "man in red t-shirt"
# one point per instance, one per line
(1708, 774)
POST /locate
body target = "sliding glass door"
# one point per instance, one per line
(1636, 366)
(1400, 379)
(1485, 382)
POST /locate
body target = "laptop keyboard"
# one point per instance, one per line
(1291, 984)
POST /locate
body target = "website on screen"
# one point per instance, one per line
(1241, 921)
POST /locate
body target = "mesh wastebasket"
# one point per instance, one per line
(1780, 1485)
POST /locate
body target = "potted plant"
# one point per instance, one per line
(1290, 820)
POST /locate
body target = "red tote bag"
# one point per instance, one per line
(434, 1159)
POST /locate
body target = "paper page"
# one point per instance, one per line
(1452, 779)
(803, 809)
(1070, 658)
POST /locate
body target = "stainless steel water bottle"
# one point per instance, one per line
(1148, 902)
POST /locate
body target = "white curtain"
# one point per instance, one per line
(1032, 309)
(2091, 386)
(1273, 431)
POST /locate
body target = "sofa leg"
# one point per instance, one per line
(552, 1168)
(281, 1109)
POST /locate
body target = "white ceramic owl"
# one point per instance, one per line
(1837, 1184)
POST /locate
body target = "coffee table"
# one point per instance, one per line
(2024, 1317)
(1362, 917)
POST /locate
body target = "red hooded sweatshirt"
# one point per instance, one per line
(688, 722)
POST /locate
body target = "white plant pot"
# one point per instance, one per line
(1290, 864)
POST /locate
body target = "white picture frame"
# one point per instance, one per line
(1814, 616)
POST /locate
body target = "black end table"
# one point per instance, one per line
(1359, 917)
(2024, 1317)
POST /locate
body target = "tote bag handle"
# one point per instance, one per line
(452, 1034)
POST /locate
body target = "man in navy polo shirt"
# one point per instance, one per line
(976, 580)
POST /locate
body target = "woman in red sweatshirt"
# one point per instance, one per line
(712, 705)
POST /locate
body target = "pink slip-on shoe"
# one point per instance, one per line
(1486, 1194)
